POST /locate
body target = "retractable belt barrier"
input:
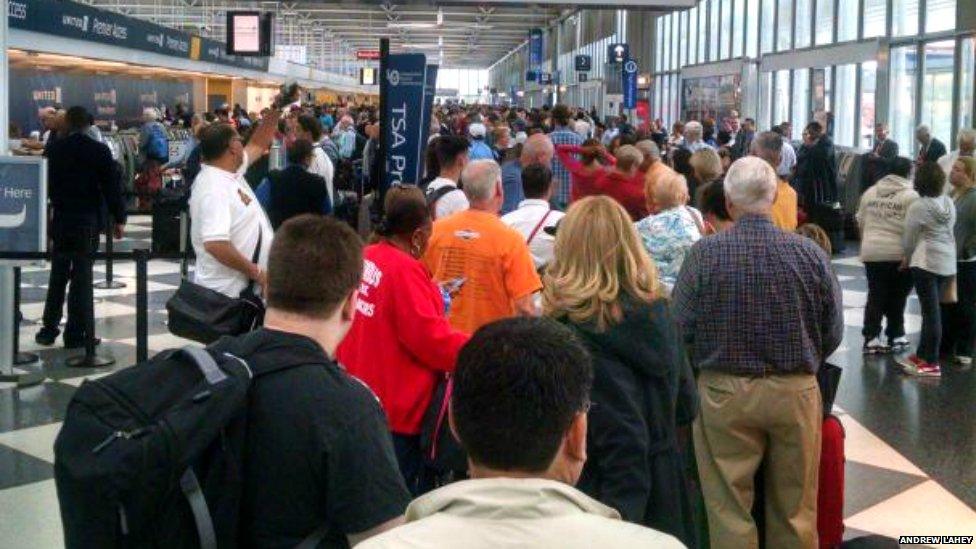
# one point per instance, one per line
(141, 257)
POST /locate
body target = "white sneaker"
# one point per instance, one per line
(964, 360)
(875, 347)
(899, 343)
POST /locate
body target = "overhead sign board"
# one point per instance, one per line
(535, 47)
(83, 22)
(582, 77)
(531, 76)
(545, 78)
(23, 205)
(618, 53)
(630, 4)
(367, 76)
(630, 69)
(584, 63)
(368, 55)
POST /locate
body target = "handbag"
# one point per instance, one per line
(204, 315)
(949, 292)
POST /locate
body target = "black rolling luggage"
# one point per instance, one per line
(169, 204)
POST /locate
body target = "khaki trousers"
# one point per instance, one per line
(747, 420)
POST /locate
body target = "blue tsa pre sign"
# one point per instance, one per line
(630, 84)
(23, 205)
(406, 78)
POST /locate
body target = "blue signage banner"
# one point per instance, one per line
(430, 89)
(630, 69)
(402, 113)
(82, 22)
(535, 47)
(23, 204)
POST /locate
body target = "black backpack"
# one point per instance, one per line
(434, 195)
(152, 456)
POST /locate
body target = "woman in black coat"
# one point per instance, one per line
(603, 284)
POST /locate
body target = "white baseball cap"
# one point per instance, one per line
(477, 130)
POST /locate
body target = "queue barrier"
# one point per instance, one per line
(141, 257)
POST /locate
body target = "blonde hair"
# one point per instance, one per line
(816, 234)
(707, 165)
(598, 260)
(628, 156)
(969, 164)
(670, 191)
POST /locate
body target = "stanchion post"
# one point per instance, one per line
(19, 357)
(142, 305)
(110, 283)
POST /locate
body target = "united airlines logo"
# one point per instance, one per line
(155, 39)
(80, 23)
(47, 95)
(17, 10)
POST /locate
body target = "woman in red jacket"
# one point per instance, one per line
(624, 183)
(401, 343)
(584, 173)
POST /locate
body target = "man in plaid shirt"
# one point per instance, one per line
(562, 135)
(760, 310)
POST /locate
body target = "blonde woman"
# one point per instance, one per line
(707, 167)
(670, 233)
(603, 284)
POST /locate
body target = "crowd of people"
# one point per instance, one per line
(615, 327)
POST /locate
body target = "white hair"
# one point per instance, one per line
(967, 136)
(582, 128)
(923, 128)
(750, 185)
(150, 114)
(693, 130)
(480, 179)
(649, 149)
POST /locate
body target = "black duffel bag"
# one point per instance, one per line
(443, 456)
(204, 315)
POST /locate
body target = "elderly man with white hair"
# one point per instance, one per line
(966, 141)
(930, 149)
(693, 137)
(761, 310)
(345, 137)
(484, 260)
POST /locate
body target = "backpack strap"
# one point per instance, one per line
(538, 226)
(437, 194)
(190, 486)
(205, 361)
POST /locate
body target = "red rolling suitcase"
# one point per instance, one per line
(830, 493)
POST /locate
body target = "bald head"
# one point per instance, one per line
(538, 149)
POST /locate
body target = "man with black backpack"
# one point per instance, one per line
(275, 444)
(444, 197)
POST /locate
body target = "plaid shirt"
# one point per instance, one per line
(563, 136)
(757, 300)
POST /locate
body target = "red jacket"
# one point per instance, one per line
(628, 191)
(400, 342)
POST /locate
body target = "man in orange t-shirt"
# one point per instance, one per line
(484, 264)
(769, 146)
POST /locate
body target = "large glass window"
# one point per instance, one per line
(875, 17)
(768, 25)
(801, 97)
(693, 36)
(845, 117)
(738, 27)
(901, 97)
(667, 42)
(846, 21)
(713, 16)
(940, 15)
(825, 21)
(700, 37)
(904, 21)
(781, 97)
(937, 84)
(804, 16)
(683, 39)
(967, 67)
(869, 86)
(765, 100)
(784, 38)
(752, 29)
(726, 36)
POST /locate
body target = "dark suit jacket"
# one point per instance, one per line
(933, 152)
(82, 183)
(887, 149)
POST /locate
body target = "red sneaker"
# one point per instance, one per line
(926, 369)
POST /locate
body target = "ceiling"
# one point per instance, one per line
(452, 34)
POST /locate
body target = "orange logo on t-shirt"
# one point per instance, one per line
(244, 198)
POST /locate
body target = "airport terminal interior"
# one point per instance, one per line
(847, 67)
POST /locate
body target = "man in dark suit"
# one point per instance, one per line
(743, 140)
(930, 148)
(883, 147)
(84, 187)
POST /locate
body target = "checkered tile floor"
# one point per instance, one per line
(911, 444)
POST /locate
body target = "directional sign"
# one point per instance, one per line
(618, 53)
(545, 78)
(584, 63)
(630, 84)
(535, 47)
(581, 77)
(23, 205)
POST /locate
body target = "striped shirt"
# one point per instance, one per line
(560, 174)
(758, 300)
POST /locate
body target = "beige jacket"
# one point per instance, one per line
(502, 513)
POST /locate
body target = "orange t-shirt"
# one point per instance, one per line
(493, 260)
(784, 212)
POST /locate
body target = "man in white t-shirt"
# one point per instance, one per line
(535, 214)
(310, 128)
(227, 219)
(443, 192)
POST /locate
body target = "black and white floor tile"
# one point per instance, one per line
(910, 443)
